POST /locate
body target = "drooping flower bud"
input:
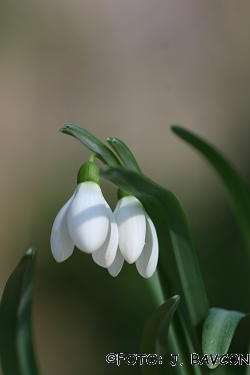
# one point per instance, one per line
(138, 240)
(86, 221)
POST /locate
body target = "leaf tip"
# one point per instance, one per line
(176, 298)
(112, 140)
(31, 252)
(176, 128)
(67, 127)
(64, 129)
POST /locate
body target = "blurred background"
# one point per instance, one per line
(126, 69)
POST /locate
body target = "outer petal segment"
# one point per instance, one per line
(130, 218)
(116, 266)
(88, 220)
(61, 243)
(147, 261)
(106, 255)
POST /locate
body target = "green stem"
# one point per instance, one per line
(179, 338)
(92, 156)
(177, 341)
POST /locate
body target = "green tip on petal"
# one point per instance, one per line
(89, 171)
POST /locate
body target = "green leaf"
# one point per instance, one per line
(178, 265)
(16, 346)
(238, 192)
(218, 331)
(124, 153)
(240, 345)
(155, 334)
(92, 143)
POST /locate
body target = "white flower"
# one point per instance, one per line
(138, 240)
(85, 221)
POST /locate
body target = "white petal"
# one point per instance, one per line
(116, 266)
(117, 206)
(106, 255)
(147, 262)
(61, 244)
(88, 219)
(130, 218)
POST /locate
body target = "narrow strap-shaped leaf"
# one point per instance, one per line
(240, 345)
(124, 153)
(178, 265)
(92, 143)
(238, 192)
(16, 345)
(155, 334)
(217, 334)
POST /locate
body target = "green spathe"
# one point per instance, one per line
(121, 194)
(89, 171)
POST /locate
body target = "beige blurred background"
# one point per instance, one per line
(127, 69)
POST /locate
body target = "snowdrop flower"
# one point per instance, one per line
(86, 221)
(138, 240)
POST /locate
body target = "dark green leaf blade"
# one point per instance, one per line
(240, 345)
(155, 334)
(124, 153)
(177, 258)
(218, 331)
(238, 192)
(92, 143)
(16, 345)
